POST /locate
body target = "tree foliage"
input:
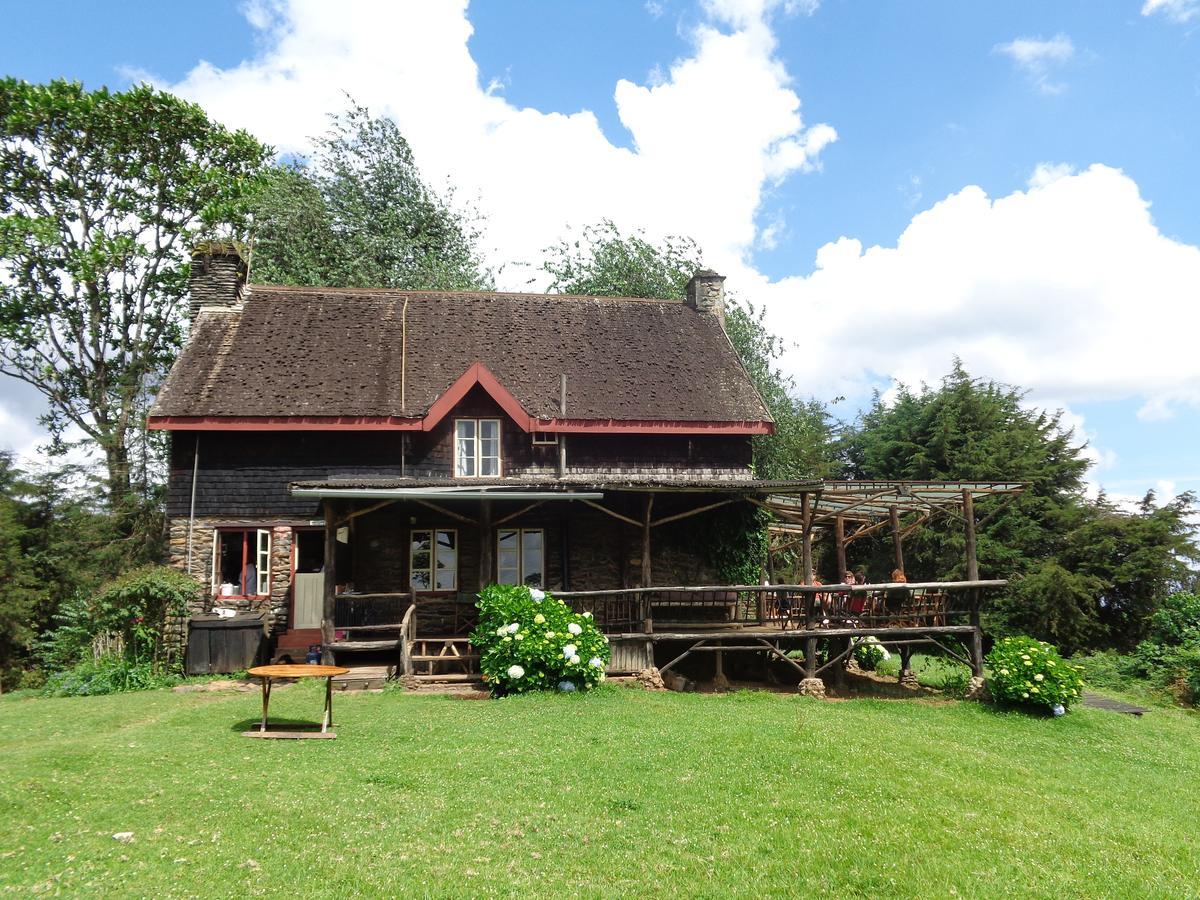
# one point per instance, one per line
(359, 214)
(102, 195)
(604, 262)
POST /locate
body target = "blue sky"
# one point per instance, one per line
(682, 117)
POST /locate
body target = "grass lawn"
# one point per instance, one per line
(618, 793)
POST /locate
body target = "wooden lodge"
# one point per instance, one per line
(358, 463)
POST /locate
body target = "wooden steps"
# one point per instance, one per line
(444, 658)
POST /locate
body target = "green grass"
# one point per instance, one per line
(617, 793)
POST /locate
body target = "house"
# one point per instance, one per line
(456, 438)
(358, 463)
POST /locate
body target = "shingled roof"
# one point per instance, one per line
(291, 352)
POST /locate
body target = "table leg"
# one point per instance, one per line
(327, 719)
(266, 699)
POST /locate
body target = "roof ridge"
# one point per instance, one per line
(404, 292)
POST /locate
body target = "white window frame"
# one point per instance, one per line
(545, 438)
(475, 455)
(432, 569)
(521, 569)
(259, 554)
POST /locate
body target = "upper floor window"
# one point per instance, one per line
(477, 448)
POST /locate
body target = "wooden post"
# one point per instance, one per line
(839, 537)
(969, 516)
(485, 543)
(647, 615)
(897, 548)
(810, 657)
(646, 574)
(973, 575)
(807, 569)
(328, 604)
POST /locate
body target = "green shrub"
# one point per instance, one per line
(1176, 621)
(870, 653)
(1027, 671)
(528, 641)
(1174, 668)
(125, 618)
(107, 675)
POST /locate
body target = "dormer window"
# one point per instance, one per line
(476, 448)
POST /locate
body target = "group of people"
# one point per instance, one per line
(855, 602)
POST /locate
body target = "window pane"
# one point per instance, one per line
(464, 465)
(532, 558)
(420, 581)
(445, 580)
(465, 428)
(507, 540)
(489, 429)
(420, 541)
(507, 576)
(489, 467)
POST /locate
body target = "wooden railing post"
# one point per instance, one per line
(330, 586)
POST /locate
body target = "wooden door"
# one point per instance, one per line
(310, 597)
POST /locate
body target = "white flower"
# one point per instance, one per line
(574, 660)
(587, 615)
(539, 619)
(596, 662)
(574, 629)
(515, 672)
(1004, 671)
(1039, 677)
(501, 631)
(520, 637)
(569, 650)
(605, 636)
(549, 634)
(536, 595)
(514, 627)
(566, 686)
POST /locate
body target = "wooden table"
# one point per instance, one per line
(266, 673)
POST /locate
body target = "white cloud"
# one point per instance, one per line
(709, 135)
(1039, 58)
(1180, 11)
(1068, 289)
(1047, 173)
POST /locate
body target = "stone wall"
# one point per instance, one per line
(203, 535)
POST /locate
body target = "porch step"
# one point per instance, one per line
(363, 678)
(456, 677)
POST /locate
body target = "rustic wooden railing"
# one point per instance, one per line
(352, 611)
(786, 607)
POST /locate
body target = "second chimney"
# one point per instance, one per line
(218, 277)
(706, 294)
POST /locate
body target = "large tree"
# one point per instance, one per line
(1086, 573)
(102, 196)
(604, 262)
(359, 214)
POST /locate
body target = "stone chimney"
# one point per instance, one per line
(218, 277)
(706, 294)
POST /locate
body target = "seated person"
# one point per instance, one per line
(895, 599)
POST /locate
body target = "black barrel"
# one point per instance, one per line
(217, 645)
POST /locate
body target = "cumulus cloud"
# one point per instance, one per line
(1039, 59)
(1067, 288)
(710, 134)
(1180, 11)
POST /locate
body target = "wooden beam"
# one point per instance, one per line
(691, 512)
(450, 513)
(330, 587)
(969, 516)
(520, 512)
(362, 512)
(615, 515)
(806, 541)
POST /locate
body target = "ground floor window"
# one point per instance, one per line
(433, 559)
(242, 562)
(521, 556)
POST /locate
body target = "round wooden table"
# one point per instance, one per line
(266, 673)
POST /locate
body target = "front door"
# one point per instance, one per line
(308, 585)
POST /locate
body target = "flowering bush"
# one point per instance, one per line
(1027, 671)
(529, 641)
(870, 653)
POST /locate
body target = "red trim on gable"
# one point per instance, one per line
(649, 426)
(282, 423)
(477, 374)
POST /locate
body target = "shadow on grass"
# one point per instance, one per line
(276, 725)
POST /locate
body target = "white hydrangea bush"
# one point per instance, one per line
(530, 641)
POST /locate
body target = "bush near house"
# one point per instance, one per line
(114, 640)
(1030, 672)
(530, 641)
